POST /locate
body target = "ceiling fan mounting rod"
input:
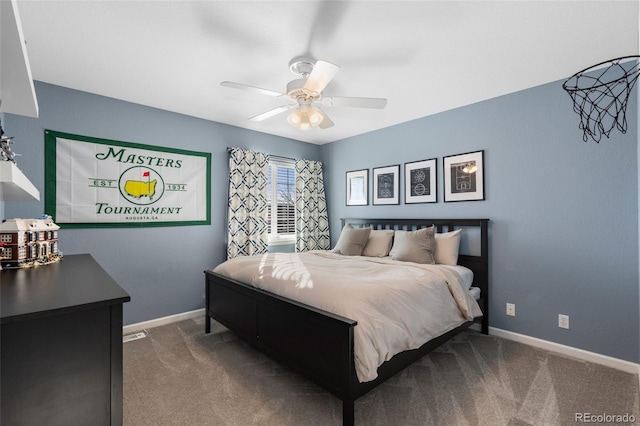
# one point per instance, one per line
(301, 66)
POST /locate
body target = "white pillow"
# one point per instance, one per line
(379, 243)
(414, 246)
(447, 246)
(352, 241)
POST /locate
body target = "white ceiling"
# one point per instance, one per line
(423, 56)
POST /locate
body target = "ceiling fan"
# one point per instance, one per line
(305, 94)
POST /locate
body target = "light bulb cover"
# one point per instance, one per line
(315, 116)
(295, 118)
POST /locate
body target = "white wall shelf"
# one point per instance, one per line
(17, 91)
(14, 185)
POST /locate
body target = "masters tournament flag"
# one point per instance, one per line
(93, 182)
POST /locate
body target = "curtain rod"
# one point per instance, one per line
(271, 156)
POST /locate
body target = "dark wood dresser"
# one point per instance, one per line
(61, 344)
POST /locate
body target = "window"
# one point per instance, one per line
(281, 200)
(5, 238)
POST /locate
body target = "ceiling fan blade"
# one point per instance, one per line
(270, 113)
(326, 121)
(338, 101)
(251, 88)
(322, 73)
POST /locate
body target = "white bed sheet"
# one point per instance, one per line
(465, 273)
(398, 305)
(475, 292)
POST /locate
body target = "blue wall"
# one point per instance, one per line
(564, 213)
(161, 268)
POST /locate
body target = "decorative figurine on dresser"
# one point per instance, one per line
(29, 242)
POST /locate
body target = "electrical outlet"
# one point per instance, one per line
(563, 321)
(511, 309)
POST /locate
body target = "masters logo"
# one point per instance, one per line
(141, 185)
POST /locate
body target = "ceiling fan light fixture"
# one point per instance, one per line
(305, 91)
(305, 117)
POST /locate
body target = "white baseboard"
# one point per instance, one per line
(618, 364)
(134, 328)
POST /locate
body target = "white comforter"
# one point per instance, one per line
(398, 305)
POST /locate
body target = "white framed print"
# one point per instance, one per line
(358, 187)
(420, 182)
(464, 177)
(386, 184)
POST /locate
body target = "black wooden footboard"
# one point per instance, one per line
(317, 343)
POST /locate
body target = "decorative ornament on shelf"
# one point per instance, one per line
(6, 154)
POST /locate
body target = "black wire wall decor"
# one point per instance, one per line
(600, 94)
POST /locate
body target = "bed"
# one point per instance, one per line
(320, 344)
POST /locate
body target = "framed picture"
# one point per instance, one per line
(357, 187)
(464, 177)
(386, 185)
(420, 181)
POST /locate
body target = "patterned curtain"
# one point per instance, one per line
(247, 214)
(312, 225)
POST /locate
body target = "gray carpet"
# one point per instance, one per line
(178, 375)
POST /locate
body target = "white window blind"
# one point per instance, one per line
(281, 199)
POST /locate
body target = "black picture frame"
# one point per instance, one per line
(421, 181)
(464, 177)
(386, 185)
(357, 189)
